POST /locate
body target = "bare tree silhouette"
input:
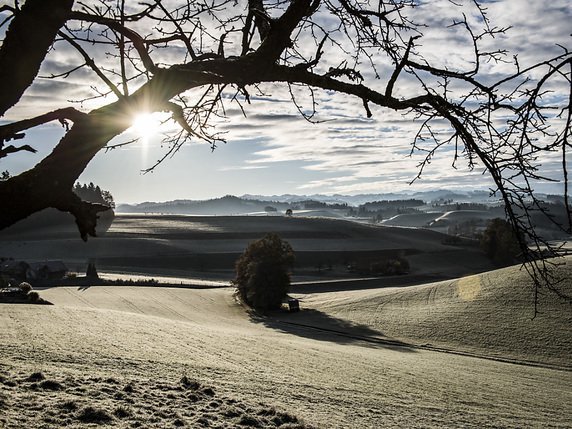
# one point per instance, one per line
(225, 49)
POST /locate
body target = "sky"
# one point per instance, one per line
(273, 150)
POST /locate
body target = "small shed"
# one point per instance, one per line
(293, 305)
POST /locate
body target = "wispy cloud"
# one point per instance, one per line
(345, 152)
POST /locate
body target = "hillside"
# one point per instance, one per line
(348, 360)
(489, 314)
(175, 245)
(231, 204)
(228, 205)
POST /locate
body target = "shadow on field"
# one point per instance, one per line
(317, 325)
(365, 283)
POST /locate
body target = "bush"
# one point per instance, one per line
(25, 287)
(262, 272)
(33, 296)
(500, 243)
(390, 267)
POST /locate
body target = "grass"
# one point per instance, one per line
(36, 376)
(120, 350)
(153, 404)
(51, 385)
(90, 414)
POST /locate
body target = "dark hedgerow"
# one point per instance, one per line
(262, 272)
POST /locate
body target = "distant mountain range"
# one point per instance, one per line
(228, 205)
(231, 205)
(356, 200)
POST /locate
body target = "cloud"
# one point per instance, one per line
(346, 152)
(244, 167)
(363, 150)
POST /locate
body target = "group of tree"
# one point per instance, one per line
(379, 210)
(470, 228)
(500, 242)
(93, 194)
(191, 58)
(318, 205)
(391, 204)
(389, 266)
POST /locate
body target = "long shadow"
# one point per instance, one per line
(366, 283)
(317, 325)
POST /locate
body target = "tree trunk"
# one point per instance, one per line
(30, 35)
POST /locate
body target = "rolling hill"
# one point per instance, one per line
(176, 244)
(489, 314)
(349, 359)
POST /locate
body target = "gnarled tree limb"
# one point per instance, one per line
(27, 41)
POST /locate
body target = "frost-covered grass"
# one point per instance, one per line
(82, 400)
(348, 359)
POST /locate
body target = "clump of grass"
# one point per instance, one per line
(9, 383)
(232, 412)
(35, 377)
(51, 385)
(188, 383)
(203, 421)
(284, 418)
(209, 391)
(271, 411)
(251, 421)
(68, 405)
(214, 404)
(94, 415)
(122, 412)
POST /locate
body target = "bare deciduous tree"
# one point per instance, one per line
(229, 47)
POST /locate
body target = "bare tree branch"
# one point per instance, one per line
(18, 71)
(185, 57)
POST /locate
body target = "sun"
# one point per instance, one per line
(145, 125)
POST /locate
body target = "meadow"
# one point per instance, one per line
(451, 344)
